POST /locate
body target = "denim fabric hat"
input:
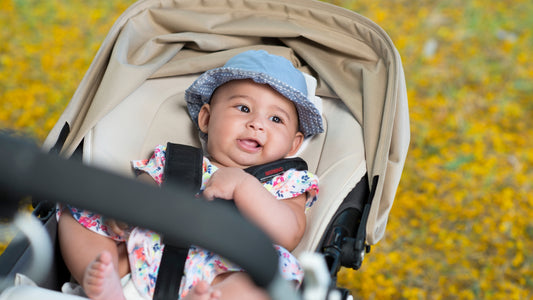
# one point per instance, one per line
(264, 68)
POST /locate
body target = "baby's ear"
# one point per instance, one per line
(296, 143)
(203, 117)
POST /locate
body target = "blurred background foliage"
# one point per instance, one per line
(462, 223)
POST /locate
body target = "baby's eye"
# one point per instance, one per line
(243, 108)
(276, 119)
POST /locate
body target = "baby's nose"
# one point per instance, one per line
(256, 123)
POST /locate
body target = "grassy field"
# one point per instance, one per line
(462, 223)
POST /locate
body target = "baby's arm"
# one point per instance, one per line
(283, 220)
(146, 178)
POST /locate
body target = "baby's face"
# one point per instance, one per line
(249, 124)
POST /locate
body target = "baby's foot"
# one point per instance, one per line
(202, 291)
(101, 280)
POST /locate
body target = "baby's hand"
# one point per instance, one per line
(116, 227)
(223, 183)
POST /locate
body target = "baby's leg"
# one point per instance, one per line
(80, 247)
(101, 281)
(202, 291)
(238, 285)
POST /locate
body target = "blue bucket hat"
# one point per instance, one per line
(263, 68)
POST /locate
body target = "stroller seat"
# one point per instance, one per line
(156, 113)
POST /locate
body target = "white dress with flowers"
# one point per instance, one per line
(145, 247)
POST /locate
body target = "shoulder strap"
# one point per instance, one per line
(183, 166)
(267, 171)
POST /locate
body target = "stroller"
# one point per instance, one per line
(132, 98)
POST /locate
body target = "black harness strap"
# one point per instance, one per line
(183, 166)
(170, 272)
(267, 171)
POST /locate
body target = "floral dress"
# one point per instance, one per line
(145, 248)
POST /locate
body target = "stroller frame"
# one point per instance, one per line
(359, 75)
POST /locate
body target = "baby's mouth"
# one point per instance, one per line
(249, 145)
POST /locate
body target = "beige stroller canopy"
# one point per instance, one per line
(131, 98)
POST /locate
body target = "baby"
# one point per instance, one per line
(253, 110)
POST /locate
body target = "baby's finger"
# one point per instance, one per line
(112, 224)
(208, 194)
(122, 225)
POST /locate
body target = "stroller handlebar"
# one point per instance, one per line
(167, 211)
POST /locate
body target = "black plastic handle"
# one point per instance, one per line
(181, 219)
